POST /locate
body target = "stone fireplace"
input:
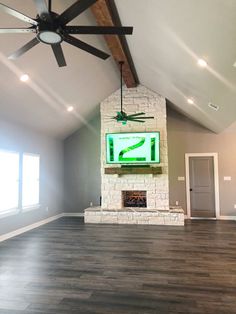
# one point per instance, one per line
(138, 99)
(123, 195)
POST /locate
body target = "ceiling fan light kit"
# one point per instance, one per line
(49, 37)
(51, 29)
(122, 116)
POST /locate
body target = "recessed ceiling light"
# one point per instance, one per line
(70, 108)
(24, 77)
(202, 63)
(190, 101)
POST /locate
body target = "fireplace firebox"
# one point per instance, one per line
(134, 198)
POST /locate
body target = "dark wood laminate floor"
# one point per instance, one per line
(68, 267)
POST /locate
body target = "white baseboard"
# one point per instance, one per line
(30, 227)
(37, 224)
(228, 217)
(73, 214)
(205, 218)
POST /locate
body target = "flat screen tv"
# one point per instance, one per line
(133, 148)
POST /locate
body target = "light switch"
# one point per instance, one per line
(181, 178)
(227, 178)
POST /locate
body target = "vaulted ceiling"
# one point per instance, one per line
(42, 102)
(169, 37)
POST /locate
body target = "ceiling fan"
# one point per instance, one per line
(51, 28)
(122, 116)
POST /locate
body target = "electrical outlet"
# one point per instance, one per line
(177, 203)
(235, 206)
(47, 209)
(91, 204)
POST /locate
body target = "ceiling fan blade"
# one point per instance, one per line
(99, 30)
(58, 53)
(24, 49)
(74, 10)
(17, 30)
(17, 14)
(145, 117)
(82, 45)
(136, 121)
(135, 118)
(136, 114)
(42, 10)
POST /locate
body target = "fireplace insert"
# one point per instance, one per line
(134, 198)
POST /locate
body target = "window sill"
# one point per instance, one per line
(9, 213)
(29, 208)
(16, 211)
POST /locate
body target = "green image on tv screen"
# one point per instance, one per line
(133, 148)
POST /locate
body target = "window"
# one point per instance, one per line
(9, 181)
(30, 180)
(19, 181)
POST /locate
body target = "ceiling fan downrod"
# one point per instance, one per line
(49, 5)
(121, 84)
(121, 115)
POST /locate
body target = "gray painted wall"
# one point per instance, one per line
(185, 136)
(82, 167)
(82, 162)
(18, 138)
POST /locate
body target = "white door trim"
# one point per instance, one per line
(216, 179)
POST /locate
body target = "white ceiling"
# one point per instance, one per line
(169, 36)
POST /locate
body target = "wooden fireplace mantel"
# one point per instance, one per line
(133, 170)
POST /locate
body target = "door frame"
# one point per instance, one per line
(216, 181)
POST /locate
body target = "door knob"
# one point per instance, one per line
(190, 190)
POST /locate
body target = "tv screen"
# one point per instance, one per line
(133, 148)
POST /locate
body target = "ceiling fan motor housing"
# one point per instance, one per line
(48, 31)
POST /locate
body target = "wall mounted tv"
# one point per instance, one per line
(133, 148)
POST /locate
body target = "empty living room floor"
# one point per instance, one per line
(69, 267)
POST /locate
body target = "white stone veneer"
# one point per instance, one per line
(172, 217)
(135, 100)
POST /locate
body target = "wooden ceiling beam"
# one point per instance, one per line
(106, 14)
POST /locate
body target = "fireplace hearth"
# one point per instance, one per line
(134, 198)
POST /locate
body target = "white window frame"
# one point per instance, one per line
(35, 206)
(20, 209)
(12, 211)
